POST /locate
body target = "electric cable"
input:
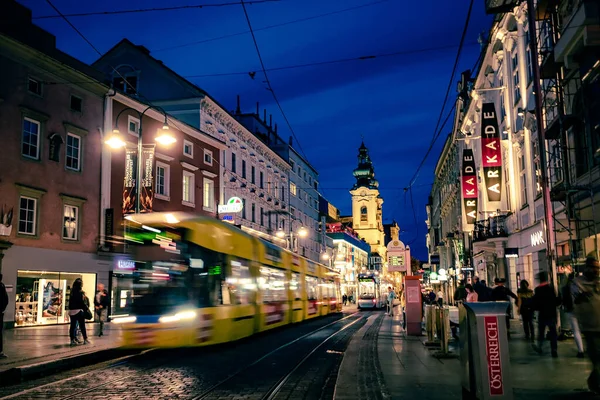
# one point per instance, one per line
(155, 9)
(269, 26)
(270, 88)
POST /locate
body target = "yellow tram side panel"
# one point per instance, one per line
(297, 305)
(312, 308)
(212, 325)
(276, 313)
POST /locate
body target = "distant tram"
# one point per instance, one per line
(196, 281)
(370, 293)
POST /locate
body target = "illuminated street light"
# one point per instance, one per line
(302, 232)
(280, 234)
(165, 137)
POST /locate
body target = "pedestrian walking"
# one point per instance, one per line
(460, 294)
(502, 293)
(440, 298)
(101, 304)
(545, 302)
(390, 300)
(568, 307)
(586, 299)
(3, 305)
(483, 292)
(76, 312)
(345, 299)
(525, 308)
(472, 295)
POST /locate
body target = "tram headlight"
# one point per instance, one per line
(123, 320)
(180, 316)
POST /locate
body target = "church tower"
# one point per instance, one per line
(367, 218)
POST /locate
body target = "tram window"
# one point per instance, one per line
(207, 267)
(312, 287)
(239, 286)
(272, 284)
(295, 286)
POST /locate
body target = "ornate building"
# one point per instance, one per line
(367, 220)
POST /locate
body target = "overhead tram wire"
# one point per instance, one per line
(155, 9)
(262, 64)
(271, 26)
(450, 85)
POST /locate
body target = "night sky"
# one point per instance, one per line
(393, 101)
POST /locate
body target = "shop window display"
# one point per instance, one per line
(42, 298)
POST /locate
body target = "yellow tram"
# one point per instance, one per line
(197, 281)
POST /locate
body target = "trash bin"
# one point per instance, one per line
(484, 354)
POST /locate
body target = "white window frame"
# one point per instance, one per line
(135, 120)
(39, 135)
(293, 188)
(209, 153)
(78, 152)
(77, 213)
(71, 103)
(167, 183)
(211, 198)
(191, 146)
(190, 202)
(34, 222)
(523, 178)
(39, 82)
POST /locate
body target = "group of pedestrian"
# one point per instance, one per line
(79, 311)
(347, 299)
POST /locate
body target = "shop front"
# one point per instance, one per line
(526, 255)
(42, 297)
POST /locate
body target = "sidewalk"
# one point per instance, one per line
(411, 372)
(31, 350)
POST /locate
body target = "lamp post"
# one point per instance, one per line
(302, 232)
(115, 141)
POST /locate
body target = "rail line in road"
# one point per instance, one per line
(53, 389)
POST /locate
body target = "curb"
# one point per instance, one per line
(24, 373)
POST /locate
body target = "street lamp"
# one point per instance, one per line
(116, 141)
(293, 239)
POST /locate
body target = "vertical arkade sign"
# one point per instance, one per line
(491, 152)
(469, 186)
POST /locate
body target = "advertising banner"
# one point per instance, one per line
(491, 152)
(129, 180)
(469, 186)
(147, 182)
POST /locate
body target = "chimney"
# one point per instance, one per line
(257, 111)
(265, 116)
(291, 142)
(237, 110)
(275, 129)
(270, 120)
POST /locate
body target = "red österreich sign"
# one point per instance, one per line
(491, 152)
(469, 186)
(494, 362)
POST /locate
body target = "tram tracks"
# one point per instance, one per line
(124, 370)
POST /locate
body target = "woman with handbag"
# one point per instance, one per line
(77, 312)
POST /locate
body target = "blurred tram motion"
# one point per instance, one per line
(196, 281)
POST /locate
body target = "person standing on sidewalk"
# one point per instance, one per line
(586, 298)
(502, 293)
(3, 305)
(460, 294)
(472, 295)
(545, 302)
(76, 307)
(568, 306)
(391, 297)
(525, 307)
(101, 304)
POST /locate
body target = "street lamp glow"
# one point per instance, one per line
(165, 137)
(302, 232)
(115, 141)
(325, 256)
(280, 233)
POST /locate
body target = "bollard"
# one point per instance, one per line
(485, 361)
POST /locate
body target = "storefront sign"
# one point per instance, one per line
(537, 238)
(511, 252)
(147, 182)
(491, 152)
(494, 363)
(125, 264)
(234, 205)
(129, 180)
(469, 186)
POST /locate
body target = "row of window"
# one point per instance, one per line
(301, 174)
(31, 137)
(163, 187)
(29, 216)
(303, 196)
(272, 189)
(35, 86)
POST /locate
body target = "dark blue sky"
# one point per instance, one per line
(394, 101)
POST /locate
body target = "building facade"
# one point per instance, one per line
(248, 168)
(350, 256)
(51, 130)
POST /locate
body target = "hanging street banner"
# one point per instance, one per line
(147, 182)
(129, 180)
(491, 152)
(469, 186)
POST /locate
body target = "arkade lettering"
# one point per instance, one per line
(492, 160)
(471, 203)
(493, 173)
(469, 170)
(494, 361)
(472, 214)
(494, 188)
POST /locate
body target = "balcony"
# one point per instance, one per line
(491, 228)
